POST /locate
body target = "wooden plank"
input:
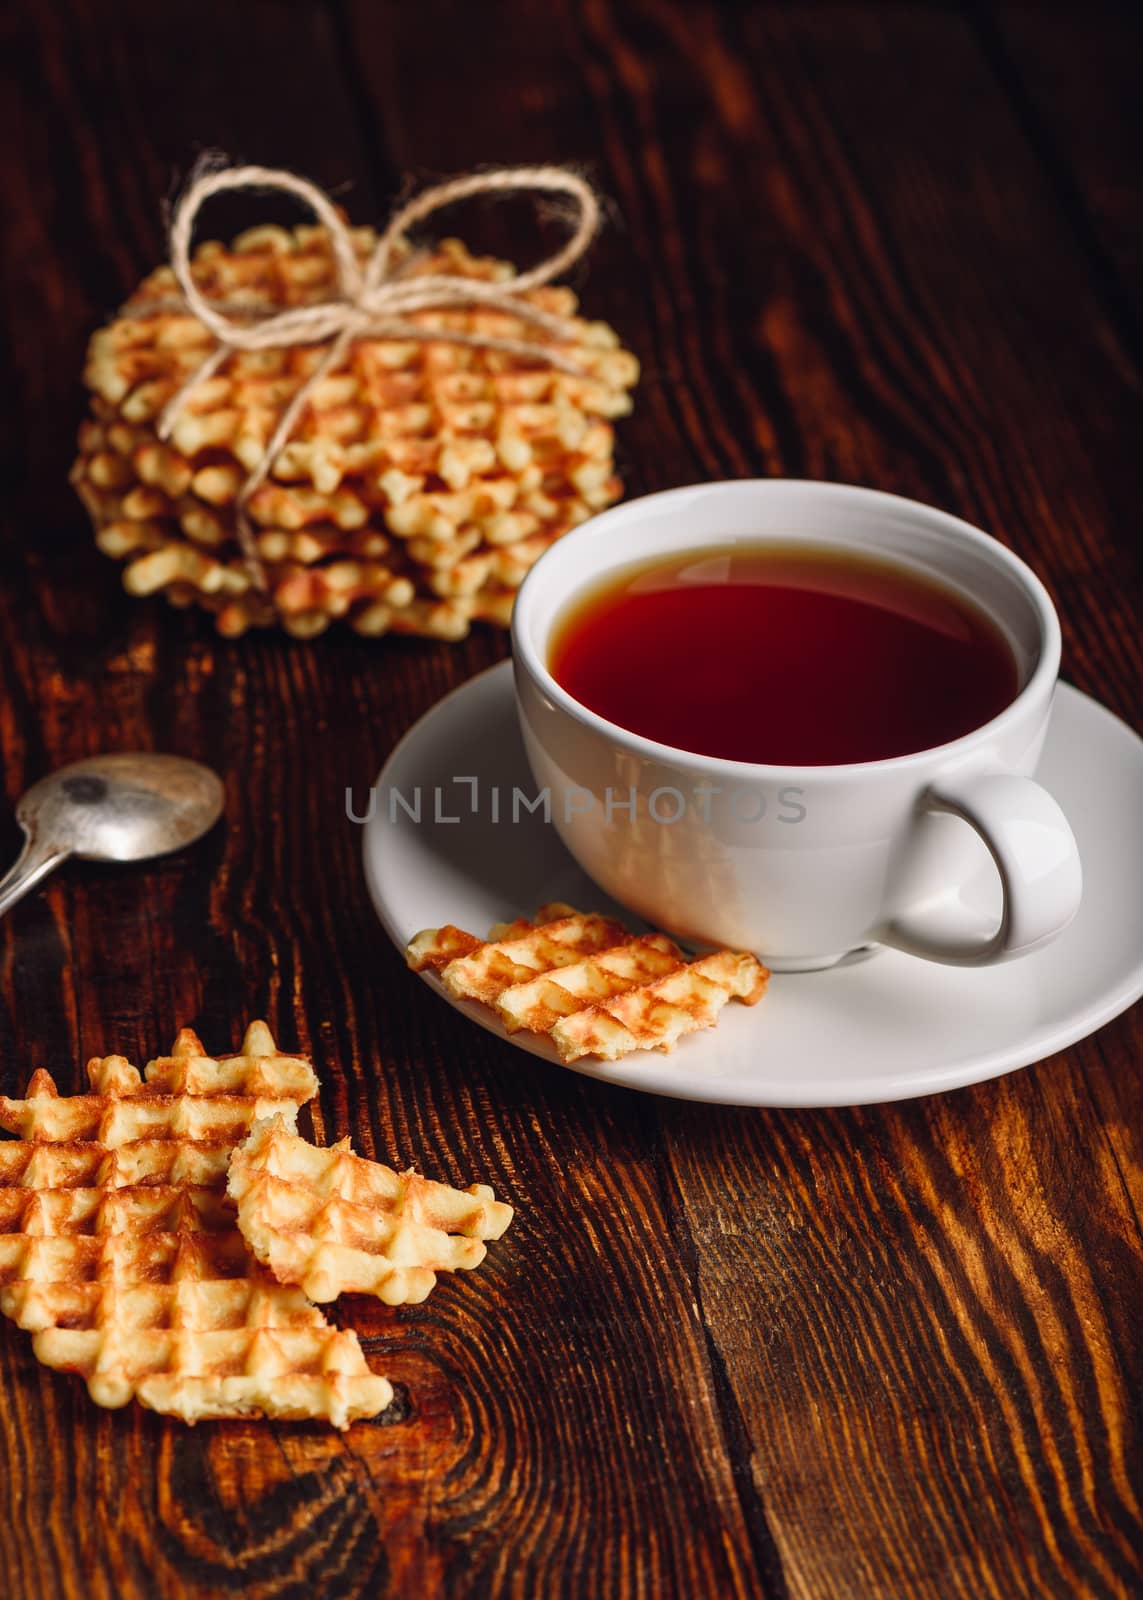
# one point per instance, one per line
(1072, 79)
(926, 1316)
(535, 1442)
(902, 1296)
(100, 118)
(685, 1533)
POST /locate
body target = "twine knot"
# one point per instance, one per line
(372, 301)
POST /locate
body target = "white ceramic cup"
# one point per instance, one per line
(952, 853)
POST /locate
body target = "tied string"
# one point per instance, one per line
(372, 301)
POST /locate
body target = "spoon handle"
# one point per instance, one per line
(34, 862)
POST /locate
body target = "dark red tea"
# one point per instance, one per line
(783, 654)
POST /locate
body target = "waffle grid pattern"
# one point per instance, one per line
(120, 1253)
(334, 1223)
(587, 984)
(420, 486)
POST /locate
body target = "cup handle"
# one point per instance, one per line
(1036, 855)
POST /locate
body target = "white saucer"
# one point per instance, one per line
(884, 1028)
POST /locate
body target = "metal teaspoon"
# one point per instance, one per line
(111, 808)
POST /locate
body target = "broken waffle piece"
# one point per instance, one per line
(333, 1223)
(119, 1251)
(586, 983)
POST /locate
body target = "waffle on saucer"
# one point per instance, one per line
(585, 983)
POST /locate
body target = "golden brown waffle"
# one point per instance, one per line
(586, 983)
(333, 1223)
(119, 1251)
(420, 485)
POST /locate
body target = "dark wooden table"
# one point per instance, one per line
(893, 1351)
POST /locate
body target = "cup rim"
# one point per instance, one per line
(1040, 682)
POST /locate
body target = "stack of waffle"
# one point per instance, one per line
(421, 483)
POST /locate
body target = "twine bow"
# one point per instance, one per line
(372, 301)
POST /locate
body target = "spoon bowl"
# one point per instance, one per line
(124, 807)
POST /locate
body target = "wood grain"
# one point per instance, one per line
(885, 1352)
(1072, 90)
